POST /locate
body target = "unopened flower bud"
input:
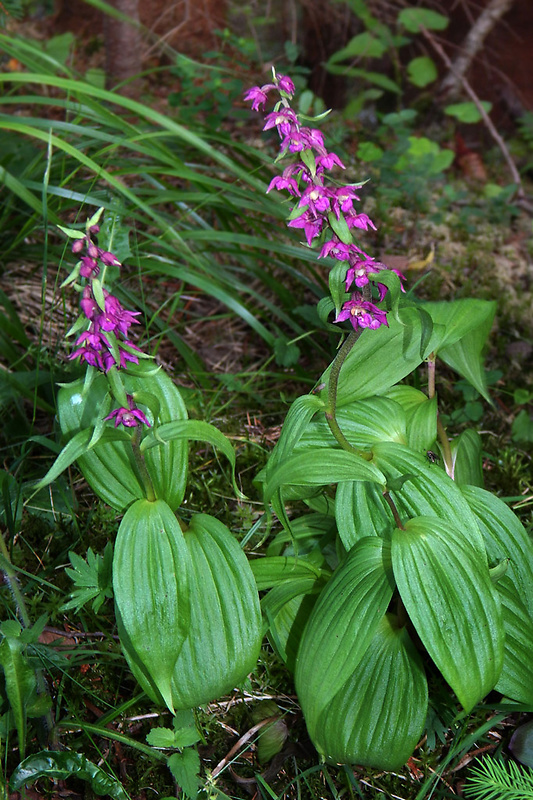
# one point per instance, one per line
(94, 229)
(108, 259)
(78, 245)
(92, 250)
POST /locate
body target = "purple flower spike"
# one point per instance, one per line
(362, 314)
(129, 417)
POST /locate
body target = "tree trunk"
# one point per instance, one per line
(123, 47)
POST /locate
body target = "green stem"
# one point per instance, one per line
(394, 510)
(141, 466)
(333, 382)
(441, 432)
(13, 583)
(107, 733)
(117, 387)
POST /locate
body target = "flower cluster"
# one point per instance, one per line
(322, 209)
(104, 344)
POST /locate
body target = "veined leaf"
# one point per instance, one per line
(516, 679)
(342, 625)
(378, 714)
(363, 422)
(151, 584)
(360, 511)
(428, 492)
(466, 458)
(504, 537)
(451, 601)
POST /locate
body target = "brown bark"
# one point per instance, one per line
(123, 47)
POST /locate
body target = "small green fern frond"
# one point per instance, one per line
(493, 779)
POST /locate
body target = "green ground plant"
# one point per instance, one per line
(364, 480)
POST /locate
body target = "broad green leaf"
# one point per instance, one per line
(451, 601)
(378, 714)
(60, 765)
(287, 608)
(185, 767)
(428, 492)
(424, 154)
(296, 422)
(274, 570)
(188, 430)
(151, 583)
(468, 112)
(342, 625)
(414, 19)
(378, 78)
(381, 358)
(360, 511)
(422, 71)
(407, 396)
(466, 458)
(225, 632)
(363, 45)
(504, 537)
(20, 682)
(363, 422)
(161, 737)
(320, 466)
(516, 679)
(422, 425)
(467, 326)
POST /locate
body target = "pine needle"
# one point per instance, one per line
(499, 780)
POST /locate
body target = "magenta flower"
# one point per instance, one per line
(129, 417)
(108, 259)
(311, 224)
(285, 84)
(316, 198)
(361, 313)
(258, 96)
(284, 120)
(115, 318)
(328, 161)
(89, 267)
(280, 183)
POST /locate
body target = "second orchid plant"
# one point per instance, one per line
(403, 565)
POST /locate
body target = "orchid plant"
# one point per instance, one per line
(403, 565)
(186, 605)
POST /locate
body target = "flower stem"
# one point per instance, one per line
(333, 383)
(392, 506)
(141, 466)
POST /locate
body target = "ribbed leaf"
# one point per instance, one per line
(287, 609)
(466, 458)
(225, 633)
(363, 422)
(342, 625)
(378, 715)
(360, 511)
(151, 584)
(320, 466)
(428, 492)
(504, 537)
(422, 425)
(516, 679)
(452, 603)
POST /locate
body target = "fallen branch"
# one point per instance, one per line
(485, 117)
(472, 44)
